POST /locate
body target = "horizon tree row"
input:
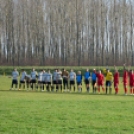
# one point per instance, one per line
(66, 32)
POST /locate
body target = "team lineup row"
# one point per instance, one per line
(64, 80)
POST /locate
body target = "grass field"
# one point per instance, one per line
(27, 112)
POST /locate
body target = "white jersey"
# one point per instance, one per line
(48, 77)
(44, 76)
(15, 75)
(54, 76)
(33, 75)
(40, 76)
(72, 76)
(23, 76)
(59, 75)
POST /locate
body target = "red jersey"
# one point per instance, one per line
(100, 78)
(125, 77)
(116, 77)
(131, 79)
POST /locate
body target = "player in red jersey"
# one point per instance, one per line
(131, 82)
(116, 80)
(100, 81)
(125, 79)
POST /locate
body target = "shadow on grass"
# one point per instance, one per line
(65, 93)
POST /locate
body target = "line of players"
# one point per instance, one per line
(64, 80)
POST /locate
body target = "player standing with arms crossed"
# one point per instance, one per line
(116, 80)
(72, 77)
(100, 81)
(87, 79)
(131, 81)
(125, 79)
(109, 79)
(79, 81)
(94, 80)
(22, 79)
(15, 75)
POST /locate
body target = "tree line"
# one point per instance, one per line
(66, 32)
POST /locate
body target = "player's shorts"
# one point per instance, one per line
(59, 82)
(14, 81)
(54, 82)
(108, 83)
(33, 81)
(40, 82)
(79, 83)
(100, 84)
(22, 81)
(65, 80)
(116, 84)
(131, 84)
(72, 82)
(93, 82)
(44, 82)
(86, 81)
(49, 83)
(125, 83)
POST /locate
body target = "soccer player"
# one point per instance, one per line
(94, 80)
(116, 80)
(72, 77)
(33, 78)
(15, 75)
(40, 80)
(44, 80)
(79, 81)
(109, 79)
(125, 79)
(131, 82)
(28, 81)
(48, 80)
(87, 79)
(65, 76)
(22, 79)
(59, 80)
(54, 78)
(100, 81)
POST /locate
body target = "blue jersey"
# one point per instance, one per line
(79, 78)
(87, 75)
(94, 76)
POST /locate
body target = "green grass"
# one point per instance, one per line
(27, 112)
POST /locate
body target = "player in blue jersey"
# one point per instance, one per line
(79, 81)
(87, 79)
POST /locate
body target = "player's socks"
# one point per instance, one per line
(125, 90)
(99, 90)
(103, 89)
(131, 90)
(74, 89)
(106, 90)
(110, 90)
(61, 88)
(57, 88)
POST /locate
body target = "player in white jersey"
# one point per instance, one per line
(15, 75)
(40, 80)
(22, 79)
(48, 80)
(44, 79)
(72, 77)
(28, 81)
(33, 78)
(59, 80)
(54, 78)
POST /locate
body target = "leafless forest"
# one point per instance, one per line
(66, 32)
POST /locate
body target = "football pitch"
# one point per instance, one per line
(31, 112)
